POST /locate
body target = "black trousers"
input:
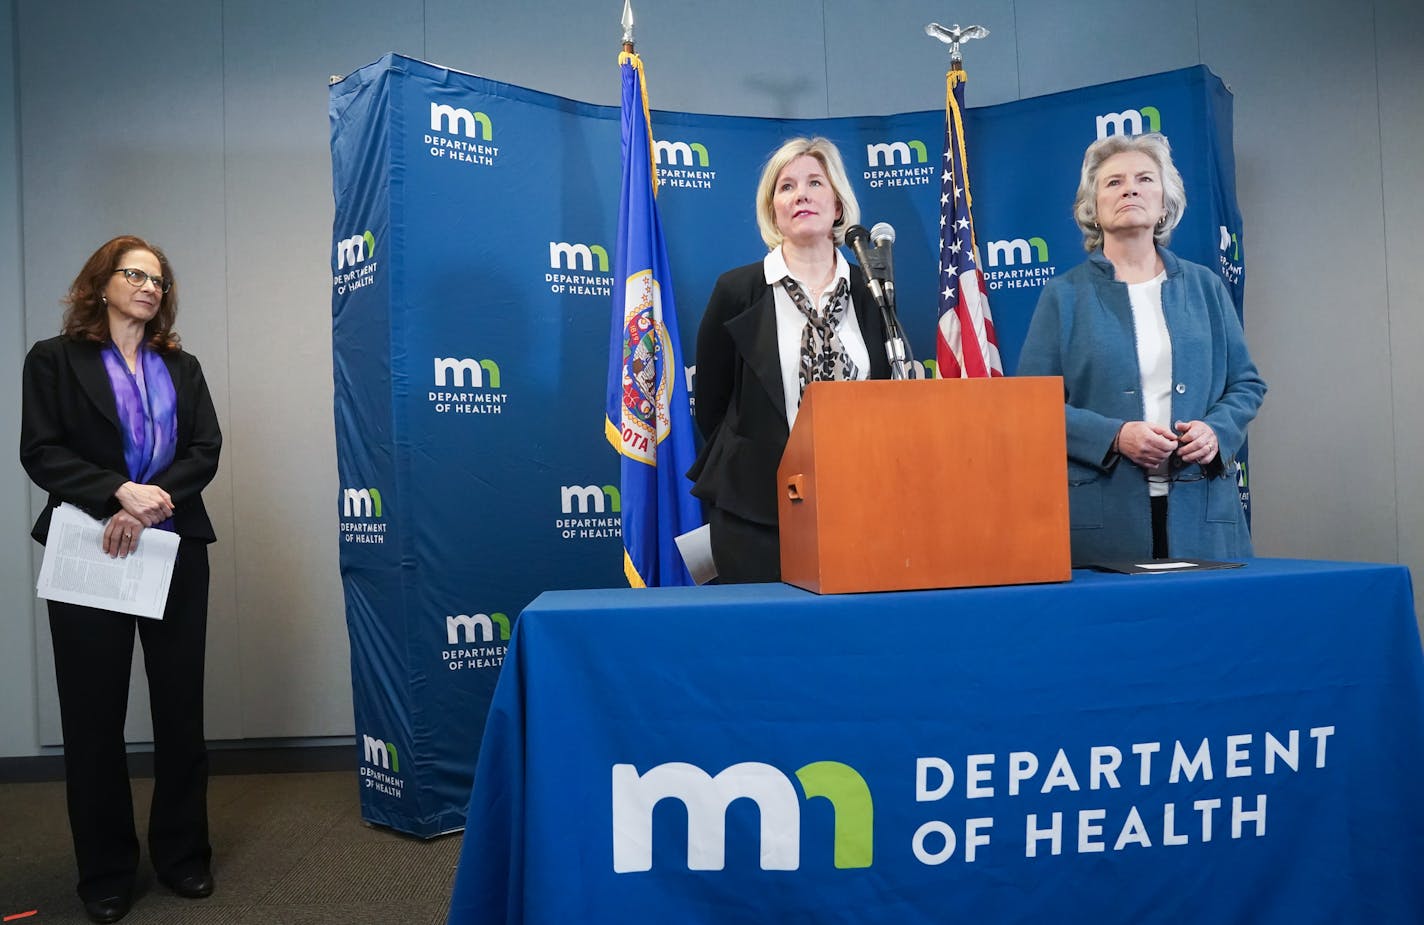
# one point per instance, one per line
(745, 552)
(93, 651)
(1159, 527)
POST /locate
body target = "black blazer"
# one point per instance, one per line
(741, 402)
(72, 446)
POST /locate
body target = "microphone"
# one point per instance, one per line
(858, 239)
(884, 237)
(874, 261)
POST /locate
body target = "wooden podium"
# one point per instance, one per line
(939, 483)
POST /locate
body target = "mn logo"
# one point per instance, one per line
(452, 120)
(355, 249)
(476, 628)
(686, 154)
(360, 502)
(566, 256)
(596, 499)
(380, 753)
(1018, 251)
(891, 153)
(706, 799)
(1130, 121)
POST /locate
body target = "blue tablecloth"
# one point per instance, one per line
(1230, 746)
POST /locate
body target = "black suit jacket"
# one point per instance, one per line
(72, 446)
(741, 403)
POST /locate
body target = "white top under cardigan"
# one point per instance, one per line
(1154, 362)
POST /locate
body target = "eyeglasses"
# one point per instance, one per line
(1179, 472)
(137, 278)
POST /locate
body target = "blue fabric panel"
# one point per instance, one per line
(473, 267)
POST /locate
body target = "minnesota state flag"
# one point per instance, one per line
(649, 420)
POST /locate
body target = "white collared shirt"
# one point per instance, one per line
(790, 324)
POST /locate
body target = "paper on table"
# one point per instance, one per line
(76, 570)
(1162, 566)
(696, 549)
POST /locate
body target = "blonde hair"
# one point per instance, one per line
(1174, 195)
(823, 150)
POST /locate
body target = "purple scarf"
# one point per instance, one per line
(148, 413)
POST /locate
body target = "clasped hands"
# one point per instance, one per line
(142, 506)
(1149, 445)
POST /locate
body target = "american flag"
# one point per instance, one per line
(966, 346)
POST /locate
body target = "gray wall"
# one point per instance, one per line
(19, 733)
(203, 126)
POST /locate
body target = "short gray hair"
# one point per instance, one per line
(1174, 195)
(823, 150)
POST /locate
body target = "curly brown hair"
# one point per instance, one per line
(86, 317)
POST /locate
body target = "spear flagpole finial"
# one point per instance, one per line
(954, 36)
(628, 25)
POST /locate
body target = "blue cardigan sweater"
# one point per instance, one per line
(1083, 331)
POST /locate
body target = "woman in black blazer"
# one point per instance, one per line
(117, 421)
(800, 315)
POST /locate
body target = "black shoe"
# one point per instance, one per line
(108, 909)
(191, 886)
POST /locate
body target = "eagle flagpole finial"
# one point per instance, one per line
(954, 36)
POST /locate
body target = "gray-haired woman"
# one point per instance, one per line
(1158, 385)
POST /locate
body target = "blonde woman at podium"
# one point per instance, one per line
(1158, 384)
(799, 315)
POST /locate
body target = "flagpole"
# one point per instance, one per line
(648, 418)
(966, 344)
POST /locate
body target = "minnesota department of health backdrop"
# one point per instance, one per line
(471, 292)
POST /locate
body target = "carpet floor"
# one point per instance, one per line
(288, 849)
